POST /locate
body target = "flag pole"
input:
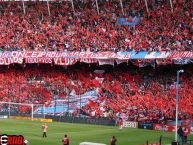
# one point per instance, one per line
(147, 9)
(121, 2)
(72, 2)
(97, 6)
(171, 5)
(177, 104)
(48, 7)
(23, 6)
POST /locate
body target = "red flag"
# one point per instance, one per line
(91, 103)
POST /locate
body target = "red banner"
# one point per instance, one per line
(167, 128)
(161, 127)
(181, 54)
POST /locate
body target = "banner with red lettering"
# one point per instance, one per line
(64, 61)
(71, 57)
(167, 128)
(161, 127)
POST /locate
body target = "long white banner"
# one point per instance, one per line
(71, 57)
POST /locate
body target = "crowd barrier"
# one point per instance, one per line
(143, 125)
(3, 116)
(158, 127)
(167, 128)
(70, 119)
(102, 121)
(29, 118)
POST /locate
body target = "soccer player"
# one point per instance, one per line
(181, 134)
(120, 123)
(44, 130)
(113, 141)
(65, 140)
(185, 130)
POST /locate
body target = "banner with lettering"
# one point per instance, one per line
(182, 61)
(130, 21)
(71, 57)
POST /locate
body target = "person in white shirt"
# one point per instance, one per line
(44, 129)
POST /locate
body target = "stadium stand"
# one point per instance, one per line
(157, 30)
(146, 95)
(112, 62)
(139, 95)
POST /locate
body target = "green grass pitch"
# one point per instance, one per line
(31, 130)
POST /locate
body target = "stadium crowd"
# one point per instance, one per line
(85, 30)
(136, 95)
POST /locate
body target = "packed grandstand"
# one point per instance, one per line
(140, 95)
(141, 89)
(84, 30)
